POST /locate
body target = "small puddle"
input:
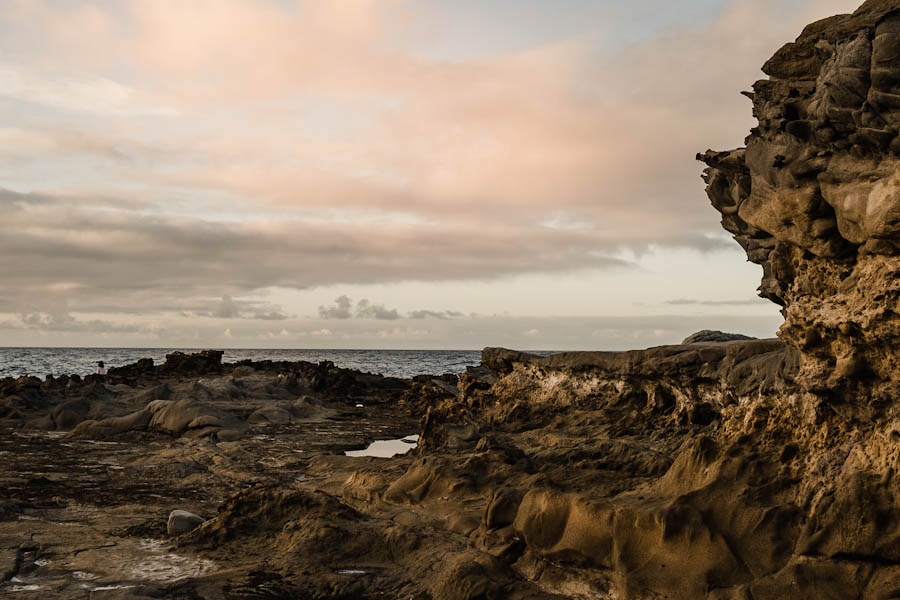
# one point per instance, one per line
(84, 576)
(99, 442)
(104, 588)
(148, 560)
(163, 565)
(21, 585)
(34, 434)
(387, 448)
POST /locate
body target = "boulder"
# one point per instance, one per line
(182, 521)
(709, 335)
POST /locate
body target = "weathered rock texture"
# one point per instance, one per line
(679, 472)
(744, 469)
(815, 196)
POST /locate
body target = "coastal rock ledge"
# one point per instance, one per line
(742, 469)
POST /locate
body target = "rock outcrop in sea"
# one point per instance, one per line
(721, 468)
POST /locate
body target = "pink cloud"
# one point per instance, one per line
(299, 145)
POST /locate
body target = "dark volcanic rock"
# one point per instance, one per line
(143, 366)
(200, 363)
(708, 335)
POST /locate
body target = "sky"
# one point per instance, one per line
(375, 173)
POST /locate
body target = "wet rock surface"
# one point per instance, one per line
(699, 470)
(93, 506)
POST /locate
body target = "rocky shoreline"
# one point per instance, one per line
(258, 450)
(742, 469)
(699, 470)
(94, 466)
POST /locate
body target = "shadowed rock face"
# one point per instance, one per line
(814, 197)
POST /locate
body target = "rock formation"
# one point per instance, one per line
(814, 197)
(722, 469)
(708, 335)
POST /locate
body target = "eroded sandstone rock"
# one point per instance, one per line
(814, 197)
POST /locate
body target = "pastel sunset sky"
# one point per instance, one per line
(375, 173)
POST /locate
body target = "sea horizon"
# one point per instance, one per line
(41, 361)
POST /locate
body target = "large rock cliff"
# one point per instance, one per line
(814, 197)
(715, 469)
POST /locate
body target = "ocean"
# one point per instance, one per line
(40, 362)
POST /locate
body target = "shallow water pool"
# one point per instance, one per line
(387, 448)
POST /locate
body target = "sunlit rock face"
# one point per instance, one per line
(814, 197)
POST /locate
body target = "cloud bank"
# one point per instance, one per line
(163, 159)
(343, 308)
